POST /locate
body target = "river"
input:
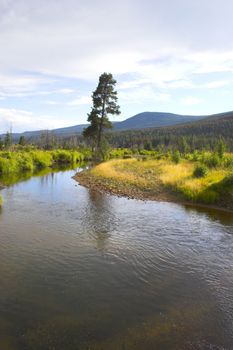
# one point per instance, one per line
(84, 270)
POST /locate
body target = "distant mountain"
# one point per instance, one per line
(68, 131)
(217, 125)
(140, 121)
(154, 119)
(200, 134)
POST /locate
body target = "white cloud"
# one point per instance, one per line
(65, 39)
(190, 100)
(20, 84)
(132, 84)
(142, 95)
(84, 100)
(21, 120)
(65, 91)
(217, 84)
(52, 103)
(180, 84)
(212, 61)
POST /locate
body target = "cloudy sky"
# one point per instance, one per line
(167, 55)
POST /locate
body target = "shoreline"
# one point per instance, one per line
(86, 180)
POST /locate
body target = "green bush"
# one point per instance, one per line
(212, 161)
(176, 157)
(120, 153)
(41, 159)
(67, 157)
(200, 171)
(195, 156)
(228, 161)
(62, 156)
(25, 162)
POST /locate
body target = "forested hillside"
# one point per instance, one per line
(197, 135)
(138, 121)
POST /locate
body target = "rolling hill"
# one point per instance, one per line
(154, 119)
(139, 121)
(203, 133)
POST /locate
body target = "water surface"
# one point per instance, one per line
(83, 270)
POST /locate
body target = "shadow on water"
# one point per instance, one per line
(222, 216)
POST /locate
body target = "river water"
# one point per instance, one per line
(83, 270)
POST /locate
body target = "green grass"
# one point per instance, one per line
(21, 164)
(32, 160)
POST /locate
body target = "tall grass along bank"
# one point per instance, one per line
(22, 161)
(185, 180)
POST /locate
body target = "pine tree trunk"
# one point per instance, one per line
(98, 146)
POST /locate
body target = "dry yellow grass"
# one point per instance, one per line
(155, 178)
(130, 171)
(178, 176)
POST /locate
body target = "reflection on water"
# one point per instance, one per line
(45, 173)
(83, 270)
(226, 218)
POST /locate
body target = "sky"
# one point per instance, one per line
(166, 55)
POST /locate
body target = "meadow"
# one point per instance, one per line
(200, 177)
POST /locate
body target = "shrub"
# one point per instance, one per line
(120, 153)
(212, 161)
(41, 159)
(228, 161)
(195, 156)
(200, 171)
(176, 157)
(22, 161)
(62, 156)
(221, 148)
(25, 162)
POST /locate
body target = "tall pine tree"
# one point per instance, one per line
(104, 103)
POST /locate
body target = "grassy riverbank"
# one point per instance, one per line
(15, 163)
(163, 179)
(20, 161)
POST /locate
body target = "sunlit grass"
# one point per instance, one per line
(131, 171)
(22, 161)
(149, 175)
(173, 174)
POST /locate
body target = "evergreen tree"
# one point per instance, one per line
(22, 141)
(8, 139)
(104, 103)
(221, 147)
